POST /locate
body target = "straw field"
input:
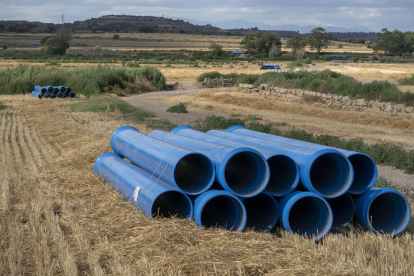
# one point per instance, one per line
(58, 218)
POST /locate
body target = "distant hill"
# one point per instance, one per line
(152, 24)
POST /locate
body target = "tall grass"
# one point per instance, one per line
(87, 81)
(407, 81)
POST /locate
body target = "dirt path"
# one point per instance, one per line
(159, 102)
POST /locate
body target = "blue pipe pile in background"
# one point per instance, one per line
(53, 92)
(241, 179)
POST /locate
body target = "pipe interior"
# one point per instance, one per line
(245, 173)
(222, 211)
(68, 89)
(283, 174)
(50, 89)
(364, 172)
(343, 209)
(44, 90)
(172, 203)
(309, 216)
(63, 89)
(55, 90)
(72, 95)
(387, 213)
(261, 211)
(193, 173)
(329, 174)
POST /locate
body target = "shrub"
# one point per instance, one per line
(115, 36)
(179, 108)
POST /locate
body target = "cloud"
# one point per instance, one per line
(374, 14)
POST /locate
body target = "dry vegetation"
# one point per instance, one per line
(58, 218)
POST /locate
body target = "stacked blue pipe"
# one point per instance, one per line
(241, 179)
(53, 92)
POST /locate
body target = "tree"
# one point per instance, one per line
(98, 48)
(275, 52)
(395, 42)
(369, 44)
(296, 43)
(115, 36)
(216, 49)
(4, 47)
(261, 42)
(59, 43)
(319, 39)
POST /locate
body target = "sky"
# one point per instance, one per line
(368, 14)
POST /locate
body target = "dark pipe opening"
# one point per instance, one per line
(343, 209)
(309, 216)
(170, 204)
(261, 211)
(222, 211)
(283, 174)
(43, 90)
(63, 89)
(387, 213)
(50, 89)
(245, 173)
(47, 95)
(193, 173)
(329, 174)
(71, 95)
(364, 172)
(55, 90)
(68, 89)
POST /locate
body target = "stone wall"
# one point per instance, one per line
(220, 82)
(325, 99)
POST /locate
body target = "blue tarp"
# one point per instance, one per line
(239, 52)
(270, 66)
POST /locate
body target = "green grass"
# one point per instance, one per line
(127, 111)
(407, 81)
(3, 106)
(382, 182)
(87, 81)
(381, 153)
(179, 108)
(338, 83)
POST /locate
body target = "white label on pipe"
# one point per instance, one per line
(136, 193)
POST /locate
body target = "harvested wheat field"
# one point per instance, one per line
(58, 218)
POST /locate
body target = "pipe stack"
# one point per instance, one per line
(242, 179)
(53, 92)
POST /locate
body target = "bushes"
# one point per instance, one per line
(407, 81)
(179, 108)
(87, 81)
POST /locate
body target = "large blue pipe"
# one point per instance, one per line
(385, 211)
(306, 214)
(72, 95)
(343, 209)
(47, 95)
(220, 209)
(188, 171)
(284, 172)
(50, 89)
(56, 90)
(60, 95)
(326, 172)
(243, 171)
(68, 89)
(62, 88)
(148, 193)
(262, 212)
(37, 94)
(41, 89)
(365, 169)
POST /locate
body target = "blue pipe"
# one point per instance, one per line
(262, 212)
(37, 94)
(41, 89)
(50, 88)
(68, 89)
(284, 172)
(56, 90)
(62, 88)
(72, 95)
(46, 95)
(148, 193)
(384, 211)
(365, 169)
(326, 172)
(243, 171)
(60, 95)
(220, 209)
(186, 170)
(343, 209)
(306, 214)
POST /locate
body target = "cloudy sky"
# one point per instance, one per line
(371, 14)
